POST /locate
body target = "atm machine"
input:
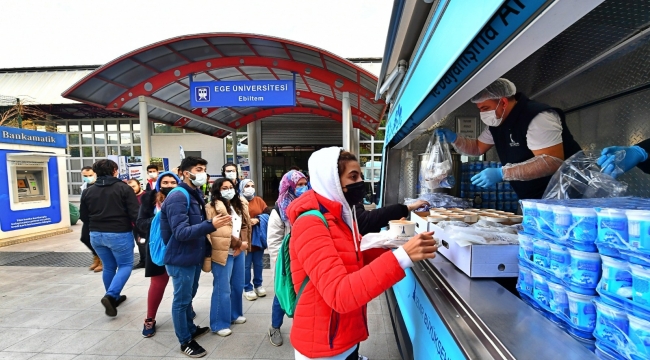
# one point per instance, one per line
(33, 185)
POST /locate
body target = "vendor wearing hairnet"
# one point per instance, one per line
(636, 155)
(531, 138)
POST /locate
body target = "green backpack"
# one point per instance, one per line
(284, 289)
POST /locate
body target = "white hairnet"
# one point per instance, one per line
(500, 88)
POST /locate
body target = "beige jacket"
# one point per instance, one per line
(221, 239)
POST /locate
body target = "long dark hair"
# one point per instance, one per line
(236, 202)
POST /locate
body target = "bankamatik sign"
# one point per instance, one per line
(242, 93)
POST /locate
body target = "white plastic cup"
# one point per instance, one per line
(561, 220)
(639, 333)
(582, 311)
(402, 228)
(585, 269)
(617, 278)
(640, 284)
(638, 225)
(585, 224)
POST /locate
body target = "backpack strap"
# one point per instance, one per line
(306, 280)
(187, 195)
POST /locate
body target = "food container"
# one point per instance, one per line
(540, 289)
(639, 333)
(515, 219)
(401, 228)
(494, 218)
(611, 323)
(437, 218)
(585, 224)
(559, 260)
(612, 228)
(638, 225)
(640, 284)
(558, 300)
(582, 311)
(546, 217)
(617, 278)
(585, 268)
(541, 251)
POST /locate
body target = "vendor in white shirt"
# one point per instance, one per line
(531, 139)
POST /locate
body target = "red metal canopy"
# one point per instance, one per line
(161, 71)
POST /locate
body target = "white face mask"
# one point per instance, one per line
(199, 179)
(153, 175)
(249, 192)
(490, 117)
(228, 194)
(231, 175)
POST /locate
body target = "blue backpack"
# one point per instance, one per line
(157, 247)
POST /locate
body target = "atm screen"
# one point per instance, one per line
(22, 184)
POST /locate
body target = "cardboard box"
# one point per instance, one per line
(477, 261)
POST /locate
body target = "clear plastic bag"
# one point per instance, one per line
(436, 170)
(580, 177)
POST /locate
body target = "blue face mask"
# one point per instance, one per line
(300, 190)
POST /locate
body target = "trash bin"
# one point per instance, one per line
(74, 214)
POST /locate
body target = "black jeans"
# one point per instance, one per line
(354, 355)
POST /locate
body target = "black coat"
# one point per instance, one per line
(372, 221)
(109, 206)
(143, 224)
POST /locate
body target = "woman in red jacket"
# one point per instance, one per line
(330, 318)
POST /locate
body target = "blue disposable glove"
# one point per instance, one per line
(446, 134)
(633, 156)
(488, 177)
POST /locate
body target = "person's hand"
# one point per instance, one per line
(255, 221)
(633, 156)
(446, 135)
(236, 253)
(220, 220)
(488, 177)
(421, 246)
(244, 246)
(417, 204)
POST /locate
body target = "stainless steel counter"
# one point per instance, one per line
(489, 321)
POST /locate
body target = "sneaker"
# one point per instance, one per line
(110, 304)
(275, 336)
(260, 291)
(149, 329)
(250, 295)
(193, 349)
(120, 300)
(239, 320)
(224, 332)
(199, 332)
(361, 357)
(139, 265)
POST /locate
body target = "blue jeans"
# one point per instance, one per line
(227, 290)
(255, 259)
(277, 314)
(186, 283)
(116, 252)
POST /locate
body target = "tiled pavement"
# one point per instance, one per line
(55, 313)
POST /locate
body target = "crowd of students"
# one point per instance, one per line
(224, 228)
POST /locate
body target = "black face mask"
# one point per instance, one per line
(165, 191)
(356, 192)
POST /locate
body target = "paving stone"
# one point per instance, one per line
(41, 340)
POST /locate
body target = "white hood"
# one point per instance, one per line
(324, 178)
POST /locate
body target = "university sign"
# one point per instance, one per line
(243, 93)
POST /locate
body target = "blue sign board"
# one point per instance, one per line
(12, 135)
(22, 219)
(453, 53)
(242, 93)
(429, 335)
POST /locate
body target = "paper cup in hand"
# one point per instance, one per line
(401, 228)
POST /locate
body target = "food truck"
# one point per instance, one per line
(585, 57)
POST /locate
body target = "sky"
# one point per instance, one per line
(93, 32)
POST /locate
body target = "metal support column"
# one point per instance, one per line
(145, 134)
(347, 121)
(355, 142)
(234, 148)
(255, 156)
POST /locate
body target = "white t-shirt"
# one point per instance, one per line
(545, 130)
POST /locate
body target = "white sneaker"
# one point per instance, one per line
(224, 332)
(260, 291)
(250, 295)
(240, 320)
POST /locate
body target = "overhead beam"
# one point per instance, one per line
(182, 112)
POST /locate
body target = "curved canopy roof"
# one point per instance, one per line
(161, 72)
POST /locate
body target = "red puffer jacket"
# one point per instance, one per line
(330, 315)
